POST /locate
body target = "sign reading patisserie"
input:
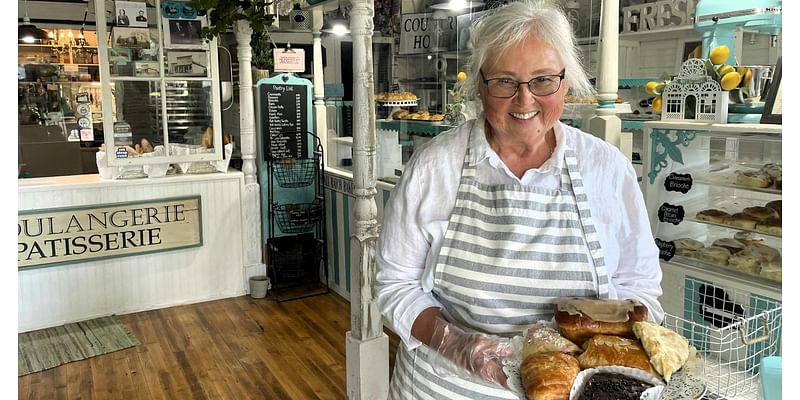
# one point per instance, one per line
(79, 234)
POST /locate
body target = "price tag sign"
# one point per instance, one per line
(666, 249)
(678, 183)
(670, 213)
(289, 60)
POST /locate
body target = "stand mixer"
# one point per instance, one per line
(718, 20)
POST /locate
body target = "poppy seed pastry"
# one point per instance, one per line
(712, 215)
(760, 213)
(741, 220)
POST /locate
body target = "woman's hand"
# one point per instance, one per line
(468, 353)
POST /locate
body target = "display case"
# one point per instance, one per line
(713, 194)
(160, 79)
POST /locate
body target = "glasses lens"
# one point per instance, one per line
(502, 87)
(544, 85)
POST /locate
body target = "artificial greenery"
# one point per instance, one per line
(223, 13)
(262, 50)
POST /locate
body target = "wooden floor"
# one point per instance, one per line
(238, 348)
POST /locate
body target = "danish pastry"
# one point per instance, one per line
(668, 351)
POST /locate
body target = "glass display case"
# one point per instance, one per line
(160, 78)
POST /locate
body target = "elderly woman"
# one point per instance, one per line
(494, 220)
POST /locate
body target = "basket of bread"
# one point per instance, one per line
(601, 349)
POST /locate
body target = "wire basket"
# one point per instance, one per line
(733, 330)
(294, 172)
(298, 217)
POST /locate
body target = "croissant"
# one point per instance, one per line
(603, 350)
(548, 376)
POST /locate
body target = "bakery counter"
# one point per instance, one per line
(111, 282)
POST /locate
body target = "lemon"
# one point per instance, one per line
(730, 80)
(657, 104)
(462, 76)
(747, 75)
(719, 54)
(650, 86)
(725, 69)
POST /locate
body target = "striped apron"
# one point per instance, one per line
(508, 253)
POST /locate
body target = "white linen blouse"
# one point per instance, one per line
(418, 211)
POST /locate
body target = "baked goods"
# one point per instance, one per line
(400, 114)
(774, 170)
(745, 263)
(766, 253)
(610, 386)
(548, 376)
(688, 243)
(756, 179)
(770, 225)
(772, 273)
(541, 338)
(732, 245)
(748, 237)
(668, 351)
(395, 96)
(714, 254)
(712, 215)
(759, 212)
(775, 205)
(741, 220)
(437, 117)
(602, 350)
(581, 319)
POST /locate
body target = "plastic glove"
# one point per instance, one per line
(468, 354)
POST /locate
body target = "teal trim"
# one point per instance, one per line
(386, 195)
(628, 125)
(606, 104)
(668, 141)
(420, 128)
(635, 82)
(335, 228)
(771, 310)
(346, 222)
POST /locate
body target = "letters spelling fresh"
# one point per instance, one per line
(144, 217)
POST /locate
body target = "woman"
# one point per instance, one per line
(495, 219)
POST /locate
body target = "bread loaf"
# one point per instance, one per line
(548, 376)
(581, 319)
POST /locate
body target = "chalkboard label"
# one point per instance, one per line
(678, 183)
(285, 121)
(672, 214)
(666, 249)
(347, 120)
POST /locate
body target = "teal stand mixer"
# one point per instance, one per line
(718, 20)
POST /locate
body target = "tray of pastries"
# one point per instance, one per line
(421, 116)
(746, 252)
(766, 178)
(763, 217)
(396, 99)
(601, 349)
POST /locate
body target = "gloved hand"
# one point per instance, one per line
(467, 354)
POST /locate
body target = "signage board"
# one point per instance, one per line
(420, 33)
(80, 234)
(289, 60)
(285, 119)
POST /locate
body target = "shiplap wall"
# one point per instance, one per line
(55, 295)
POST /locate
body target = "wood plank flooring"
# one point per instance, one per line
(237, 348)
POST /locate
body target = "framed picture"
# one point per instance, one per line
(146, 68)
(131, 38)
(119, 55)
(773, 105)
(183, 33)
(187, 63)
(131, 13)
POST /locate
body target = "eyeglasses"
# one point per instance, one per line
(505, 88)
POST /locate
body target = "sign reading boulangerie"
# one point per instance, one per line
(67, 235)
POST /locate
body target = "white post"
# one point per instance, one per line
(251, 194)
(320, 110)
(367, 345)
(606, 125)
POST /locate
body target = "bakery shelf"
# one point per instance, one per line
(397, 103)
(728, 204)
(725, 176)
(724, 270)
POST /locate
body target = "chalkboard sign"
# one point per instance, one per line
(285, 120)
(347, 119)
(671, 213)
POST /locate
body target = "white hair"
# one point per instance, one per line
(509, 25)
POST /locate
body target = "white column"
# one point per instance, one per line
(606, 125)
(367, 345)
(251, 193)
(320, 110)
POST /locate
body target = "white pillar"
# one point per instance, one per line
(367, 345)
(606, 125)
(320, 115)
(251, 194)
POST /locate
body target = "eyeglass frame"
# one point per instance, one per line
(560, 77)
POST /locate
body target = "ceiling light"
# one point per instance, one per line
(337, 25)
(27, 32)
(455, 5)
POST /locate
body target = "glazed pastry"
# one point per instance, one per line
(714, 254)
(581, 319)
(748, 237)
(771, 226)
(732, 245)
(541, 338)
(775, 205)
(603, 350)
(668, 351)
(741, 220)
(548, 376)
(712, 215)
(756, 179)
(760, 213)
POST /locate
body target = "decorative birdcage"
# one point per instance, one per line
(694, 95)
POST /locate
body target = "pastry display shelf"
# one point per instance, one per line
(725, 176)
(727, 271)
(731, 204)
(397, 103)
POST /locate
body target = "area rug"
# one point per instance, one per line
(48, 348)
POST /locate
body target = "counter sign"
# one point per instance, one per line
(58, 236)
(421, 33)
